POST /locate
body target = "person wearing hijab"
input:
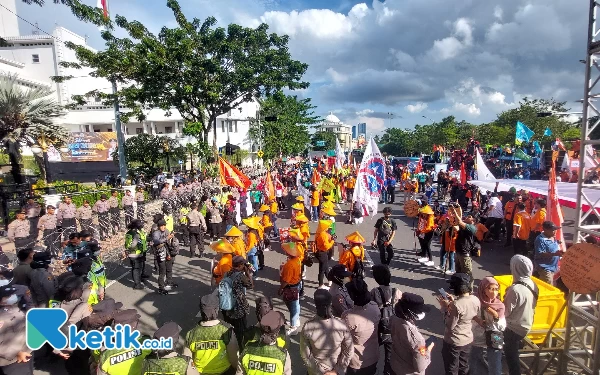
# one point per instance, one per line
(409, 353)
(326, 345)
(424, 232)
(490, 321)
(363, 322)
(324, 242)
(253, 333)
(265, 351)
(520, 301)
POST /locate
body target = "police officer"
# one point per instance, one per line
(136, 247)
(265, 356)
(183, 225)
(16, 357)
(124, 361)
(47, 224)
(66, 217)
(19, 231)
(97, 272)
(341, 301)
(139, 200)
(102, 207)
(197, 227)
(33, 211)
(43, 284)
(168, 361)
(115, 212)
(84, 216)
(263, 306)
(212, 344)
(127, 203)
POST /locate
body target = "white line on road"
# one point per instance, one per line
(117, 279)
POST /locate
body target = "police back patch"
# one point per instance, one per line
(122, 357)
(262, 366)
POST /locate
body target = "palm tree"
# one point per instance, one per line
(26, 115)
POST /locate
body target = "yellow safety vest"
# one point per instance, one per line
(209, 348)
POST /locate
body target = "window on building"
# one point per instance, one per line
(168, 129)
(35, 58)
(232, 125)
(139, 130)
(222, 126)
(86, 128)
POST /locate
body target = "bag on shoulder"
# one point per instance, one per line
(386, 228)
(173, 246)
(493, 339)
(226, 297)
(387, 311)
(359, 268)
(309, 259)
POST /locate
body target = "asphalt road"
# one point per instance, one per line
(193, 277)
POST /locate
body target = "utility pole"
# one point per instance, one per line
(120, 136)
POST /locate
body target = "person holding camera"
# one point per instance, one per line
(465, 241)
(385, 230)
(160, 237)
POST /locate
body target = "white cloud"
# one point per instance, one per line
(359, 11)
(317, 23)
(416, 108)
(451, 46)
(498, 12)
(469, 109)
(335, 76)
(365, 112)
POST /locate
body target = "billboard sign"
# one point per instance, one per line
(86, 146)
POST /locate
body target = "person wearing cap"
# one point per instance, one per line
(15, 356)
(315, 197)
(32, 212)
(168, 361)
(43, 284)
(124, 361)
(216, 219)
(212, 344)
(252, 334)
(465, 241)
(363, 322)
(458, 309)
(353, 255)
(7, 277)
(252, 242)
(409, 352)
(196, 230)
(65, 215)
(47, 224)
(265, 221)
(102, 208)
(22, 272)
(383, 236)
(264, 355)
(115, 212)
(127, 202)
(97, 274)
(84, 216)
(546, 253)
(510, 209)
(424, 232)
(324, 243)
(136, 247)
(290, 284)
(140, 202)
(235, 238)
(338, 276)
(225, 262)
(495, 214)
(163, 258)
(521, 229)
(326, 345)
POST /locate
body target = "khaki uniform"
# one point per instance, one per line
(363, 322)
(115, 214)
(66, 218)
(33, 215)
(43, 287)
(19, 232)
(326, 344)
(102, 208)
(50, 235)
(139, 199)
(164, 193)
(84, 215)
(341, 300)
(12, 339)
(197, 227)
(127, 203)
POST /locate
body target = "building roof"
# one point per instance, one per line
(332, 118)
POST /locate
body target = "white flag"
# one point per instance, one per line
(340, 157)
(483, 172)
(566, 164)
(370, 178)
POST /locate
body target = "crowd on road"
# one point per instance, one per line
(351, 322)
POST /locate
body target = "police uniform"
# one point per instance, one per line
(259, 358)
(183, 225)
(136, 246)
(20, 233)
(101, 208)
(12, 337)
(84, 216)
(170, 363)
(127, 203)
(51, 235)
(97, 275)
(115, 214)
(197, 226)
(43, 287)
(139, 200)
(33, 212)
(65, 215)
(341, 300)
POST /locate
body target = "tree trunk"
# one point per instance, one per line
(39, 160)
(14, 155)
(215, 149)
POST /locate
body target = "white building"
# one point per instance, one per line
(342, 131)
(35, 58)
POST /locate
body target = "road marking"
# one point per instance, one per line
(117, 279)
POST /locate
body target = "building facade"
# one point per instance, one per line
(343, 132)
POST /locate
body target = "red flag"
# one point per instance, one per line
(553, 210)
(315, 178)
(103, 4)
(419, 167)
(560, 145)
(231, 176)
(463, 174)
(270, 186)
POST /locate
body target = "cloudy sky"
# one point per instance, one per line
(413, 58)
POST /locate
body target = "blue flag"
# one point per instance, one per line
(524, 134)
(547, 132)
(538, 149)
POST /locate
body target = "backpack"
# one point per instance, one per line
(226, 297)
(359, 268)
(387, 311)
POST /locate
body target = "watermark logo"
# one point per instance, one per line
(44, 326)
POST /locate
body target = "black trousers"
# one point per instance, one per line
(69, 226)
(239, 326)
(24, 368)
(386, 253)
(103, 225)
(129, 215)
(512, 344)
(86, 224)
(425, 243)
(78, 362)
(138, 269)
(369, 370)
(520, 246)
(196, 241)
(260, 254)
(33, 229)
(115, 220)
(184, 234)
(24, 242)
(215, 229)
(323, 258)
(494, 224)
(140, 210)
(165, 270)
(509, 232)
(391, 195)
(387, 348)
(456, 359)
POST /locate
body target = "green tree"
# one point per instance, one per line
(147, 153)
(288, 134)
(26, 115)
(328, 137)
(81, 11)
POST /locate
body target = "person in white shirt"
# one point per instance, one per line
(495, 214)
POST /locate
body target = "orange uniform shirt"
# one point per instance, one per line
(523, 220)
(481, 231)
(449, 240)
(509, 210)
(348, 258)
(538, 219)
(426, 224)
(239, 246)
(350, 183)
(225, 264)
(266, 221)
(291, 272)
(324, 241)
(274, 208)
(251, 240)
(314, 198)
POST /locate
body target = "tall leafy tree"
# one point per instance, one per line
(80, 10)
(323, 136)
(282, 125)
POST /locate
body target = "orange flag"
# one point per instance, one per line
(315, 178)
(553, 210)
(270, 186)
(231, 176)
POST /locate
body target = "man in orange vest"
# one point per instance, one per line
(509, 213)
